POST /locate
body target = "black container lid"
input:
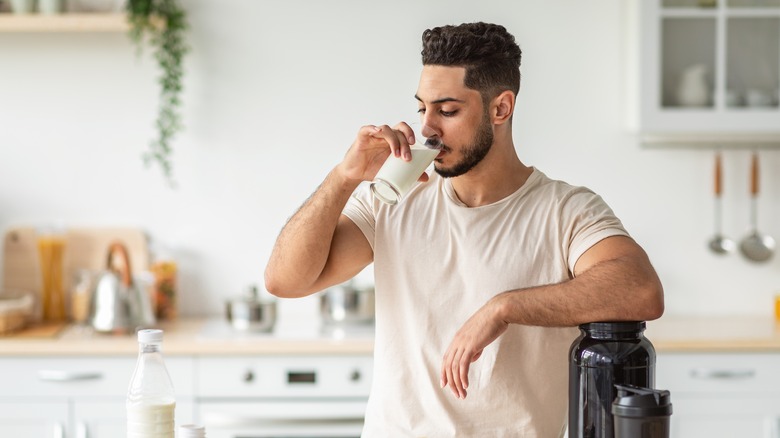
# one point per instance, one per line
(634, 401)
(614, 326)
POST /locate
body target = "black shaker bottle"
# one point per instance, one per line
(641, 412)
(605, 354)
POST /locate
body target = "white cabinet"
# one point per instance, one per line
(722, 395)
(38, 419)
(99, 419)
(710, 66)
(78, 397)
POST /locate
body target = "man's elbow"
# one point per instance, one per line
(653, 303)
(276, 286)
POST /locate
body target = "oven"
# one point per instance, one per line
(300, 419)
(292, 396)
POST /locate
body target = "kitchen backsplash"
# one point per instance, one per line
(273, 98)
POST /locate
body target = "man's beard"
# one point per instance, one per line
(472, 155)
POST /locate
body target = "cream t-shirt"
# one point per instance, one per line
(436, 262)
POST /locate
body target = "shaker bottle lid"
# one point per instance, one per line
(635, 401)
(150, 335)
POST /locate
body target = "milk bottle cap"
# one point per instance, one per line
(150, 336)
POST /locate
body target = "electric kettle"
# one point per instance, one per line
(118, 304)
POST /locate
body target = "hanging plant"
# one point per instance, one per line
(163, 23)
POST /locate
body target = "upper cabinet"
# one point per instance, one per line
(710, 67)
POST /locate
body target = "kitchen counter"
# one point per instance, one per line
(205, 337)
(188, 336)
(714, 334)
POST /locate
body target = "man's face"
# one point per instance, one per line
(454, 116)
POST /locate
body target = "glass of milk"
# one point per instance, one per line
(396, 177)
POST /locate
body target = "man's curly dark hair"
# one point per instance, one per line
(488, 52)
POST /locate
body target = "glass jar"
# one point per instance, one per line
(80, 296)
(605, 354)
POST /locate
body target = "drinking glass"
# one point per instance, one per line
(396, 176)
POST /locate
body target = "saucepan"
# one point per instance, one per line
(347, 303)
(250, 312)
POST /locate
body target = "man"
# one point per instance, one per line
(481, 272)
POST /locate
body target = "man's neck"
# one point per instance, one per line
(497, 176)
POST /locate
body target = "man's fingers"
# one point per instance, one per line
(397, 140)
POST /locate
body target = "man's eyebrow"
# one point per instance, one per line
(442, 100)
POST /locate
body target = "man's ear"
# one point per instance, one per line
(503, 107)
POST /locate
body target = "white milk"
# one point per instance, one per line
(151, 421)
(397, 177)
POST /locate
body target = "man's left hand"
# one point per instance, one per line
(484, 327)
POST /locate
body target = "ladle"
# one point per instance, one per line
(719, 244)
(755, 246)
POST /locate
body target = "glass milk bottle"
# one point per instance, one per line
(150, 398)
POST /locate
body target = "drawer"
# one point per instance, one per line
(82, 376)
(719, 373)
(284, 376)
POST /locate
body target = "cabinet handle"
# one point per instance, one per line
(68, 376)
(723, 374)
(59, 430)
(224, 421)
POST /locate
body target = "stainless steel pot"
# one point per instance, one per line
(251, 313)
(347, 304)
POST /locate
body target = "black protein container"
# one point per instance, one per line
(605, 354)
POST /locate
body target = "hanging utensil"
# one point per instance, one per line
(719, 244)
(755, 246)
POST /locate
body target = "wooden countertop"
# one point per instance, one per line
(714, 334)
(187, 336)
(211, 337)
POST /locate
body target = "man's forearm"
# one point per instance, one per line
(625, 288)
(302, 248)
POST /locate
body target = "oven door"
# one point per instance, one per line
(283, 418)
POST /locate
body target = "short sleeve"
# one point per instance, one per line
(360, 210)
(587, 220)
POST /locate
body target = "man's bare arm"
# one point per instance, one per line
(319, 247)
(614, 282)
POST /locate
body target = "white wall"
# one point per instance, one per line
(275, 92)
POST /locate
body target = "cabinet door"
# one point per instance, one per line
(33, 419)
(710, 66)
(106, 418)
(724, 417)
(83, 376)
(722, 395)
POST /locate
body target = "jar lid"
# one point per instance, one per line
(614, 326)
(192, 431)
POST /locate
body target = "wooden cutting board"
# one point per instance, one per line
(85, 248)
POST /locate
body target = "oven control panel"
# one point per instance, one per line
(284, 376)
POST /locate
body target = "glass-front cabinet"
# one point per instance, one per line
(710, 66)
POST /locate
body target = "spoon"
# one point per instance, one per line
(719, 244)
(756, 247)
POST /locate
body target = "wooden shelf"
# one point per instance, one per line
(67, 22)
(711, 140)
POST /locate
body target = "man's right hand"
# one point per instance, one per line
(372, 147)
